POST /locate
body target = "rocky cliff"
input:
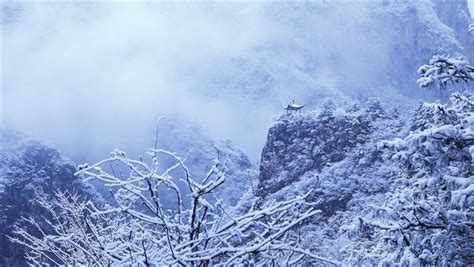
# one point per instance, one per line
(416, 30)
(300, 143)
(334, 154)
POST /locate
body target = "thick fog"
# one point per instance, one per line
(90, 77)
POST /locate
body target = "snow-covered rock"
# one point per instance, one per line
(301, 143)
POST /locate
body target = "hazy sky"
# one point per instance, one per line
(94, 76)
(98, 75)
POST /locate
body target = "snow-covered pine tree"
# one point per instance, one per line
(444, 71)
(429, 215)
(375, 108)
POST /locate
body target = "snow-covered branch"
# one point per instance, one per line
(443, 71)
(141, 230)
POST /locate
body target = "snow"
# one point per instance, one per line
(470, 4)
(443, 70)
(294, 106)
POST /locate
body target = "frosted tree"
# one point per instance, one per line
(375, 108)
(428, 216)
(444, 71)
(139, 230)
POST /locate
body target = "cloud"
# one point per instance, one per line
(97, 75)
(84, 71)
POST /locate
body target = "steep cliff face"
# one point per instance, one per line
(455, 14)
(302, 144)
(299, 143)
(333, 153)
(29, 168)
(416, 30)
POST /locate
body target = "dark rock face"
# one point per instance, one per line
(297, 144)
(28, 168)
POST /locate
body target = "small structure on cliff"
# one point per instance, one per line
(291, 108)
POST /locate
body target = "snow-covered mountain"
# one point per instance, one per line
(29, 169)
(370, 195)
(389, 180)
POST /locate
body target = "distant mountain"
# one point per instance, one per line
(29, 168)
(188, 139)
(347, 51)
